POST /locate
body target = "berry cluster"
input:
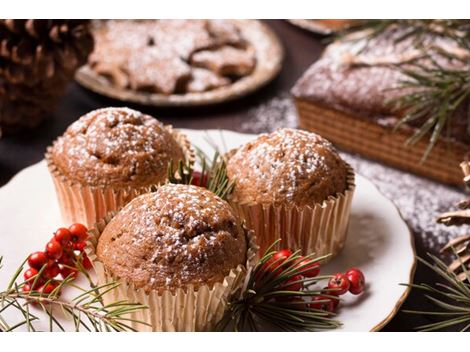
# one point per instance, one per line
(63, 256)
(300, 272)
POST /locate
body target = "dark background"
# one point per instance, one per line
(302, 48)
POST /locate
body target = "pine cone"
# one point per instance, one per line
(37, 60)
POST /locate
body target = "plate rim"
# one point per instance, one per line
(261, 76)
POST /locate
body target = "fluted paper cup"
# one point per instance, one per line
(187, 309)
(87, 204)
(319, 228)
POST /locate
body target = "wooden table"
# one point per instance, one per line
(302, 48)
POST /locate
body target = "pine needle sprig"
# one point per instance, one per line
(437, 95)
(87, 310)
(213, 175)
(264, 302)
(452, 297)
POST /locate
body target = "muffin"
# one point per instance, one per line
(180, 250)
(292, 185)
(108, 157)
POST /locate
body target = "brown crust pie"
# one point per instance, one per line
(345, 96)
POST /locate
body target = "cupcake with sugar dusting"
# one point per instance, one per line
(108, 157)
(180, 250)
(293, 185)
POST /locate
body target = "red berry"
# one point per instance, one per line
(327, 292)
(79, 246)
(54, 249)
(339, 284)
(309, 270)
(292, 284)
(30, 276)
(198, 179)
(79, 232)
(52, 270)
(37, 260)
(322, 303)
(86, 262)
(66, 272)
(357, 281)
(282, 254)
(48, 288)
(26, 288)
(63, 236)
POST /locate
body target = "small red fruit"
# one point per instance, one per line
(86, 262)
(37, 260)
(26, 288)
(326, 291)
(30, 276)
(198, 179)
(309, 270)
(66, 272)
(48, 288)
(292, 284)
(52, 270)
(79, 232)
(339, 284)
(322, 303)
(54, 249)
(79, 246)
(63, 236)
(357, 281)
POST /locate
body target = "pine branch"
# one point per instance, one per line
(263, 302)
(453, 298)
(87, 310)
(213, 175)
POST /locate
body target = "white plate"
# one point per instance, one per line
(379, 242)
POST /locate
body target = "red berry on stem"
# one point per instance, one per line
(26, 288)
(86, 262)
(79, 232)
(63, 236)
(48, 288)
(357, 281)
(322, 303)
(52, 270)
(292, 284)
(54, 249)
(199, 179)
(66, 272)
(327, 292)
(30, 276)
(339, 284)
(79, 246)
(37, 260)
(309, 269)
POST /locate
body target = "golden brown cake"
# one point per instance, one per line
(161, 56)
(178, 236)
(346, 97)
(292, 185)
(108, 157)
(287, 166)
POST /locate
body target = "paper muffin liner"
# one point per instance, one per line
(87, 204)
(183, 310)
(319, 228)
